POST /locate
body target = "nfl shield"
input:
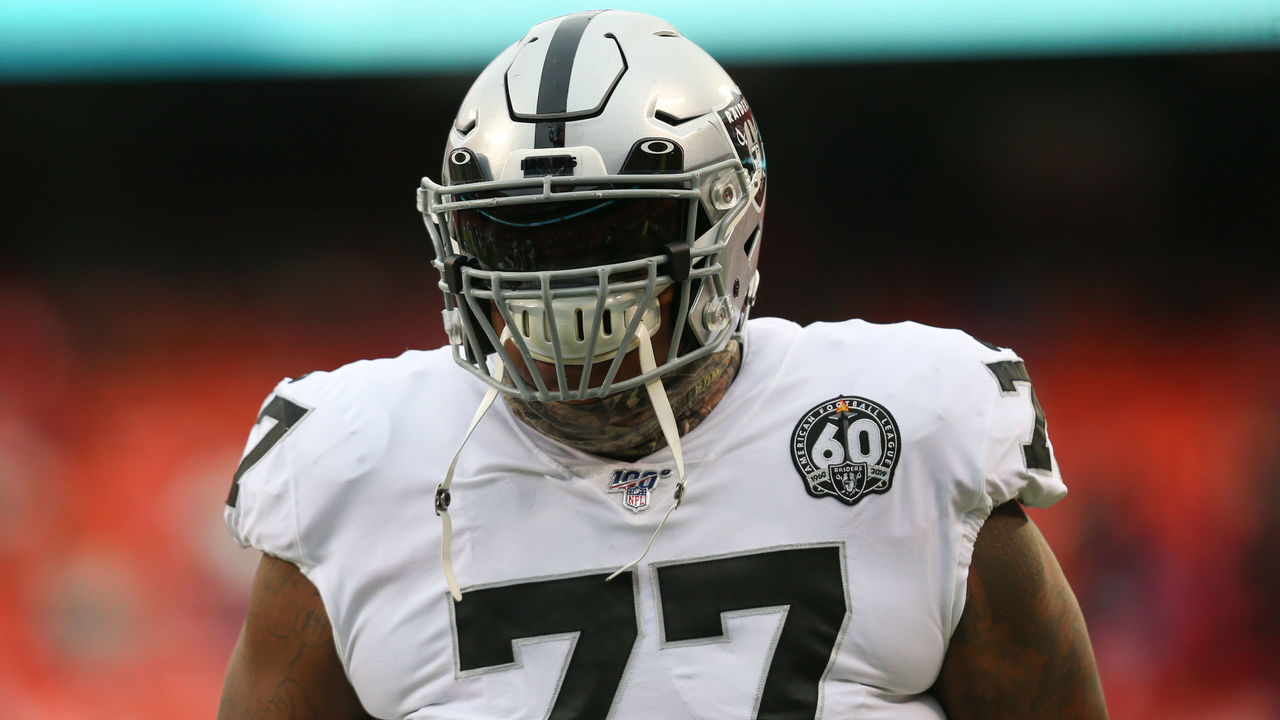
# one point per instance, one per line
(637, 498)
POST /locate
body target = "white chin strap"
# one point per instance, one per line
(666, 420)
(442, 491)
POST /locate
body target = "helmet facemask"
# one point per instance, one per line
(535, 254)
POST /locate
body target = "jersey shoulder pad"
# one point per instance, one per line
(1017, 461)
(314, 437)
(905, 347)
(981, 399)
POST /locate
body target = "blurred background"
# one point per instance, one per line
(200, 200)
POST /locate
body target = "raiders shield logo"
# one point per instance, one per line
(846, 447)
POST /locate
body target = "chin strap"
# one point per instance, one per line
(667, 421)
(442, 490)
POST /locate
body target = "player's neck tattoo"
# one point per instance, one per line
(623, 425)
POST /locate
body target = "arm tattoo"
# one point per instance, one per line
(307, 630)
(308, 625)
(291, 670)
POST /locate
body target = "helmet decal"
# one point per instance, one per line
(745, 135)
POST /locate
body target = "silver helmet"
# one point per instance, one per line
(599, 164)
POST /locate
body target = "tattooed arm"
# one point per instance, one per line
(285, 666)
(1021, 649)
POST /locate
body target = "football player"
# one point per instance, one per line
(672, 512)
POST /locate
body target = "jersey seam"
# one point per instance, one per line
(970, 526)
(297, 512)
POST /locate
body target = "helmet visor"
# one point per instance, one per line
(570, 234)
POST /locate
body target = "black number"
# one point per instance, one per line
(808, 581)
(286, 413)
(603, 614)
(1035, 453)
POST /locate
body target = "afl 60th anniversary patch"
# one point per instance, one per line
(846, 447)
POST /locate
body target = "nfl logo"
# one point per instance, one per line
(637, 498)
(634, 485)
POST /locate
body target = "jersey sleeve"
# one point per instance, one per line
(261, 509)
(1019, 461)
(309, 454)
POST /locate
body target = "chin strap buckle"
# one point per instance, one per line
(453, 266)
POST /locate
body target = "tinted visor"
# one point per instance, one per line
(570, 234)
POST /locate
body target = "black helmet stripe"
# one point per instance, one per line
(553, 90)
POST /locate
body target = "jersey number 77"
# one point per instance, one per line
(695, 596)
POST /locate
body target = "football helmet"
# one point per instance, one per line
(600, 165)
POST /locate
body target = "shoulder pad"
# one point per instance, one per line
(313, 436)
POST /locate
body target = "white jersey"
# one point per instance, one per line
(816, 567)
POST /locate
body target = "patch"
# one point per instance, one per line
(846, 447)
(745, 134)
(635, 485)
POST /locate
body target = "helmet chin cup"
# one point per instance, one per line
(586, 330)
